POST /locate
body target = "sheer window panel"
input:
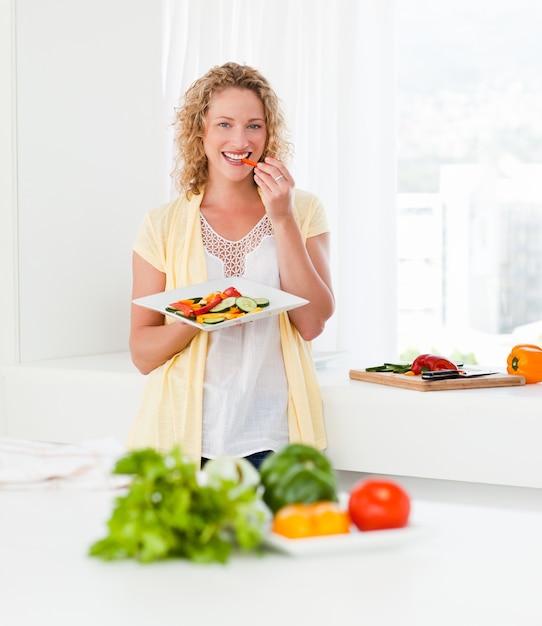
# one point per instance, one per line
(470, 170)
(332, 65)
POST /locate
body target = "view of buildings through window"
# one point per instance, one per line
(469, 177)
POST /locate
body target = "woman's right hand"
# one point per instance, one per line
(152, 342)
(277, 187)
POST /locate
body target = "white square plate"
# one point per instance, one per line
(279, 301)
(353, 541)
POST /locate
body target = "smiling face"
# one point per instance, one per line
(234, 129)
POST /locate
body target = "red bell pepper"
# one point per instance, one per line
(431, 363)
(183, 308)
(231, 292)
(210, 305)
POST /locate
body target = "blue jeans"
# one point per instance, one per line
(256, 459)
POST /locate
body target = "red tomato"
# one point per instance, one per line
(378, 504)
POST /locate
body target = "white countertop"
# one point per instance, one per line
(489, 436)
(477, 566)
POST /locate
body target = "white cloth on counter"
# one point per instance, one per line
(27, 464)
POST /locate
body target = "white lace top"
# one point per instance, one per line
(245, 392)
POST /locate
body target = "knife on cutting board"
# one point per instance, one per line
(445, 374)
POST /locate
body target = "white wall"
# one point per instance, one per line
(7, 183)
(91, 158)
(8, 274)
(90, 162)
(84, 147)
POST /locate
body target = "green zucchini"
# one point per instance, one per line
(246, 304)
(261, 302)
(170, 309)
(214, 320)
(223, 306)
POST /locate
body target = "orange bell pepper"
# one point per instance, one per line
(316, 519)
(526, 360)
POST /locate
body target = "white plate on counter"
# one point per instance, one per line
(279, 301)
(351, 542)
(354, 541)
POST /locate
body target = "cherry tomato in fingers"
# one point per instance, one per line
(378, 505)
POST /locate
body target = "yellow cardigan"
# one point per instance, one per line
(171, 407)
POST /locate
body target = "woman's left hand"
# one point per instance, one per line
(277, 186)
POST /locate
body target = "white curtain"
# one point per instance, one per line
(332, 64)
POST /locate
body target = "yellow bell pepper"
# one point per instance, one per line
(526, 360)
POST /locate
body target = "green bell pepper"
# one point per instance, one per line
(298, 473)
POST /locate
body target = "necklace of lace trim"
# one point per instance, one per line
(234, 253)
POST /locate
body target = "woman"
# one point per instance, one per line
(246, 390)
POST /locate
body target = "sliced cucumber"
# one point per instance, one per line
(214, 320)
(246, 304)
(226, 304)
(170, 309)
(261, 302)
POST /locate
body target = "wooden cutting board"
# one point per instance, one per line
(418, 384)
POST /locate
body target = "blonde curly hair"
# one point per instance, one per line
(190, 172)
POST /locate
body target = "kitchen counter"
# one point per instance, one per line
(489, 436)
(476, 566)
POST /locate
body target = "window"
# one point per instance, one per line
(469, 126)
